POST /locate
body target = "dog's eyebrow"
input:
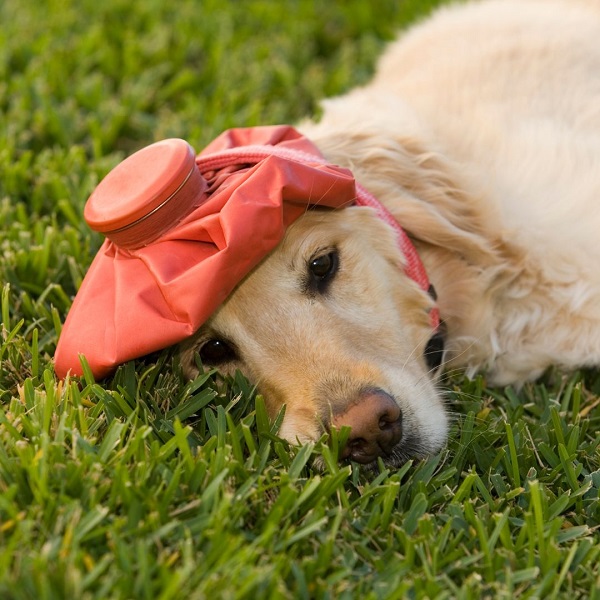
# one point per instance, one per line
(304, 251)
(292, 264)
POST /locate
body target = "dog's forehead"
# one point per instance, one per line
(315, 226)
(325, 228)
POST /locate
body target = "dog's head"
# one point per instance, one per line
(329, 325)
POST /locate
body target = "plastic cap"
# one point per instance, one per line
(146, 194)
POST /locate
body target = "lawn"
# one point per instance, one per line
(148, 486)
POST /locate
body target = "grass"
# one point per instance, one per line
(148, 486)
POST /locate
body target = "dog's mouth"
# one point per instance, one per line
(408, 448)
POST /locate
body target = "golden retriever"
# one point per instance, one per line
(480, 132)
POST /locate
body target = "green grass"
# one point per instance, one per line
(148, 486)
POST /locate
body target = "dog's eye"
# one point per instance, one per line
(321, 271)
(216, 352)
(434, 351)
(322, 266)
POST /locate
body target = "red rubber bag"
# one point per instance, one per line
(182, 231)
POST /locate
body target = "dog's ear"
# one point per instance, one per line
(424, 194)
(422, 189)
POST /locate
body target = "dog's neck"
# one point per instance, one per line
(466, 294)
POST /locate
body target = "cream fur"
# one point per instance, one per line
(481, 133)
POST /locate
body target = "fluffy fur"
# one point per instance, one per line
(481, 133)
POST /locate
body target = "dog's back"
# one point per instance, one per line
(512, 91)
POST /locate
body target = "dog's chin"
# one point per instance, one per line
(409, 449)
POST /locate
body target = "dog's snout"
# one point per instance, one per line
(375, 423)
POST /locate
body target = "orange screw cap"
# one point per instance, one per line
(146, 194)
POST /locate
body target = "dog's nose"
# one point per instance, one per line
(376, 426)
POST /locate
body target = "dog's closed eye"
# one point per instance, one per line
(215, 352)
(321, 271)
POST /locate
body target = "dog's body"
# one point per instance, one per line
(481, 134)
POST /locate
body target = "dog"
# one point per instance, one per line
(480, 133)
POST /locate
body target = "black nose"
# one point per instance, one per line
(375, 423)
